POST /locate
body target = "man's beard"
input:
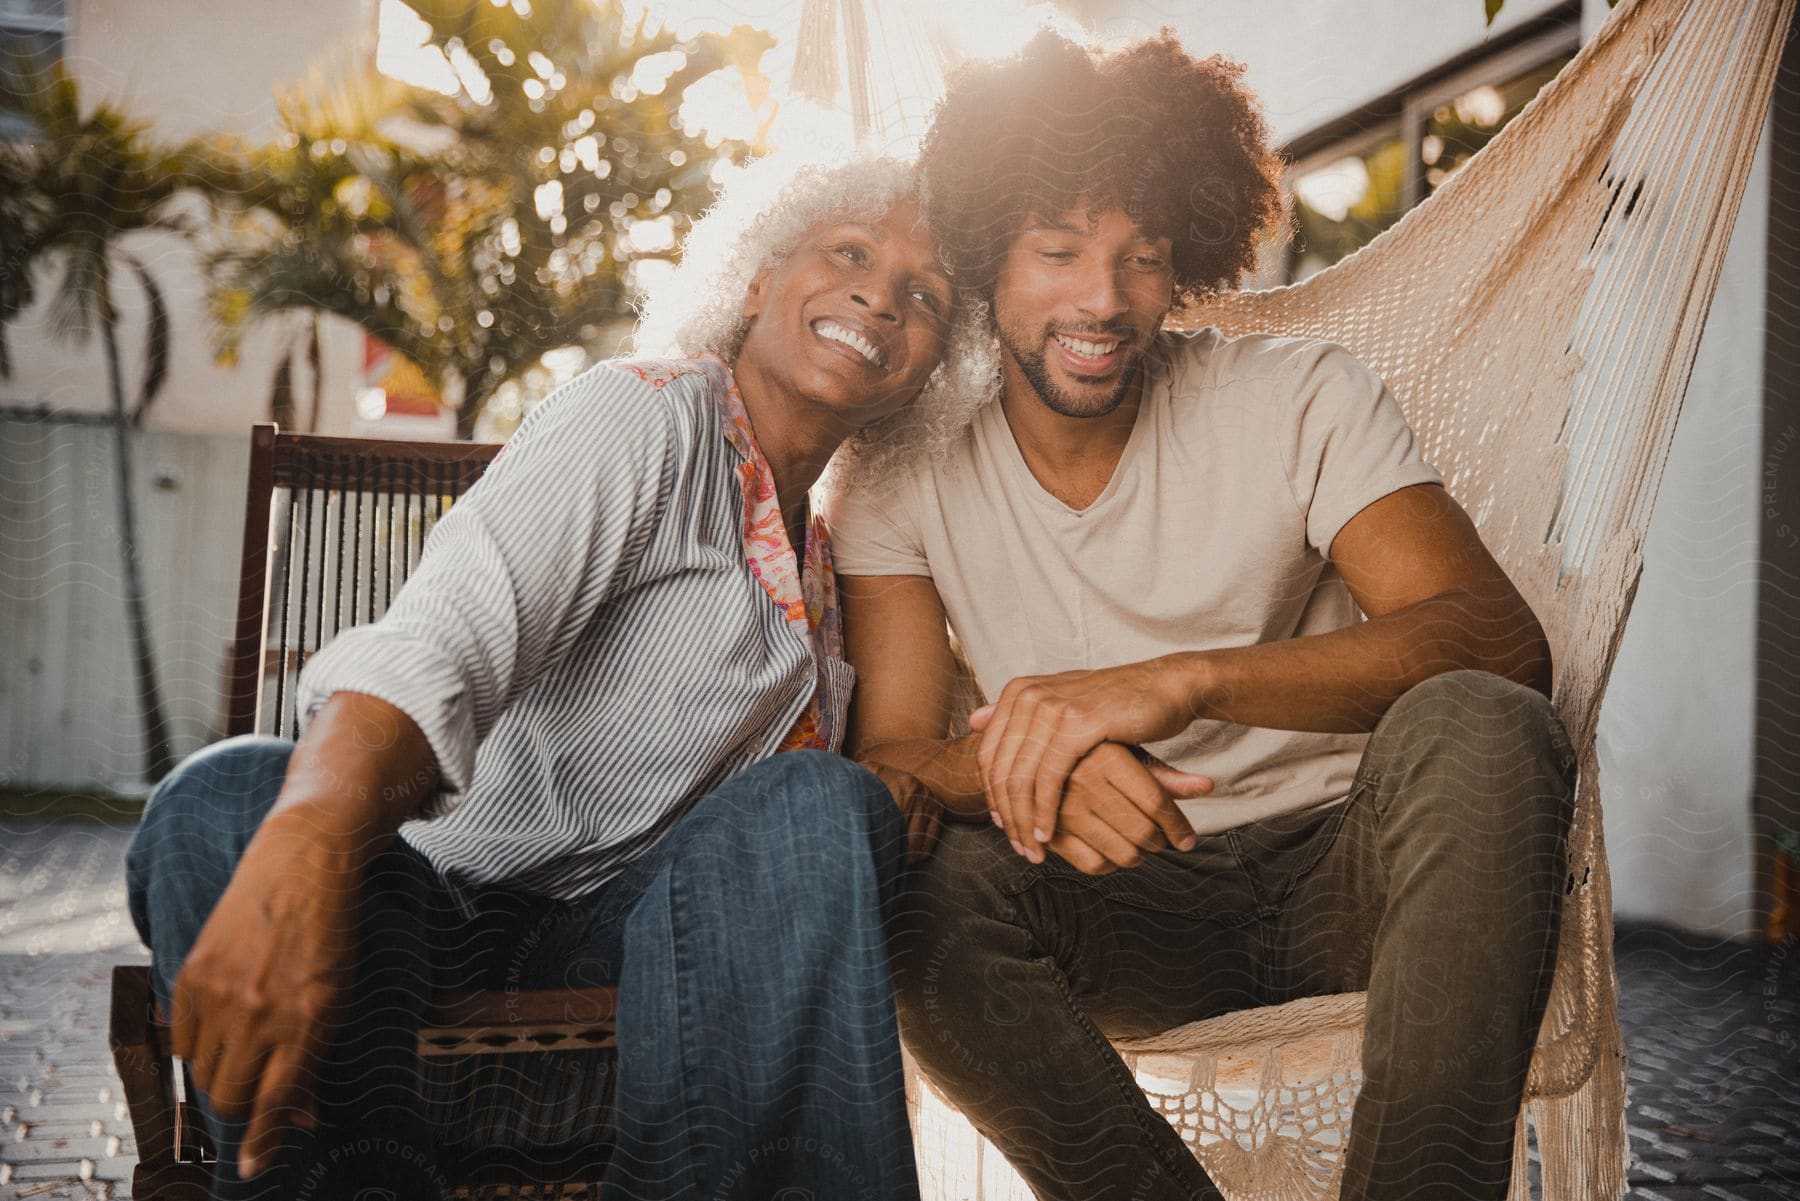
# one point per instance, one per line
(1036, 367)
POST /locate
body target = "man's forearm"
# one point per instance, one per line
(1343, 681)
(947, 767)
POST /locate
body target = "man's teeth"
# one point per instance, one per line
(1092, 350)
(852, 339)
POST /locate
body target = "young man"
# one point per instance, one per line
(1212, 784)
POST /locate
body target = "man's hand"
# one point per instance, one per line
(1119, 808)
(1042, 726)
(923, 812)
(255, 999)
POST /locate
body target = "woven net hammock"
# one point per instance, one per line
(1537, 318)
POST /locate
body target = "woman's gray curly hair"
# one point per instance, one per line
(760, 219)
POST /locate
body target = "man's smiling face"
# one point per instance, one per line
(1077, 300)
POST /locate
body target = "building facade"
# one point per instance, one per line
(1376, 102)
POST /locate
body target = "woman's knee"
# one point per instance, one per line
(195, 827)
(799, 833)
(822, 785)
(800, 801)
(216, 797)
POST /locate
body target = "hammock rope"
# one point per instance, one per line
(1538, 318)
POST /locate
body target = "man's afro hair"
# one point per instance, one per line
(1178, 143)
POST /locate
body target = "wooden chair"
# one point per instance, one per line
(518, 1085)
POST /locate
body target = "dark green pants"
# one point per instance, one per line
(1437, 886)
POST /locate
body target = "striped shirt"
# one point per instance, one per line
(606, 627)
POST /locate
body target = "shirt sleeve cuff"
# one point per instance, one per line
(405, 673)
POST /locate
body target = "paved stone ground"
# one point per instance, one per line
(64, 1131)
(1711, 1029)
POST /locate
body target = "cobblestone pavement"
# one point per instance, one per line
(1711, 1030)
(64, 1131)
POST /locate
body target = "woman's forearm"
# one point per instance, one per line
(362, 768)
(949, 768)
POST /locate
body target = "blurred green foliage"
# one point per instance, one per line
(474, 232)
(70, 192)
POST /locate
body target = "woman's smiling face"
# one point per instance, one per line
(854, 321)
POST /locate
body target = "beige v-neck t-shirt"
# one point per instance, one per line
(1247, 456)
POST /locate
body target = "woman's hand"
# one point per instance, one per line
(257, 998)
(1033, 736)
(923, 812)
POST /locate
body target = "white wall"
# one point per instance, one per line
(1675, 730)
(67, 711)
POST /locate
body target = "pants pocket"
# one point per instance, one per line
(1276, 853)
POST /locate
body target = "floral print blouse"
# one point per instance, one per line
(806, 591)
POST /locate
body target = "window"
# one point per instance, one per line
(1343, 198)
(1359, 175)
(32, 32)
(32, 29)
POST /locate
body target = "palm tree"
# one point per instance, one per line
(322, 221)
(474, 232)
(71, 192)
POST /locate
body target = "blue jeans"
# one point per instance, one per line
(758, 1051)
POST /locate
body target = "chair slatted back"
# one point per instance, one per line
(518, 1084)
(332, 528)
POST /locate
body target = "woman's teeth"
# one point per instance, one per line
(852, 339)
(1090, 350)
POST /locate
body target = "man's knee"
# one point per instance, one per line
(1476, 695)
(966, 871)
(1478, 725)
(1478, 766)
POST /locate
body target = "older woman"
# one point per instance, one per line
(599, 716)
